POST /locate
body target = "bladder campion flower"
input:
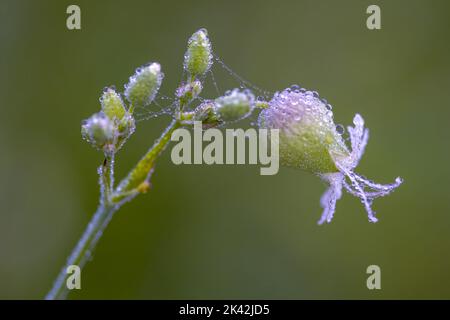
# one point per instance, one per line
(310, 140)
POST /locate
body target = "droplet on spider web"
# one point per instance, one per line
(213, 78)
(156, 109)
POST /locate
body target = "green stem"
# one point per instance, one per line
(137, 179)
(107, 176)
(109, 204)
(83, 250)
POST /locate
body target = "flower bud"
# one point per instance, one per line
(125, 128)
(99, 131)
(112, 104)
(205, 113)
(198, 56)
(235, 105)
(188, 92)
(144, 85)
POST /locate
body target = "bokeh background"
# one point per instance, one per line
(225, 231)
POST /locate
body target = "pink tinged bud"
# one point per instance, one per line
(100, 132)
(309, 140)
(107, 134)
(188, 92)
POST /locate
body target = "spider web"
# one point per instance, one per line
(165, 105)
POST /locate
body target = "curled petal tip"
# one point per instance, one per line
(358, 120)
(373, 220)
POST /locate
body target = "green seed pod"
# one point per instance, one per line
(235, 105)
(144, 85)
(198, 56)
(99, 130)
(112, 104)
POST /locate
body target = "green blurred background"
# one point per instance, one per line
(225, 231)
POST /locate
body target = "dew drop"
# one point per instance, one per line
(112, 87)
(340, 129)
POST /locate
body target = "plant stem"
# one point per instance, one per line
(141, 172)
(83, 250)
(109, 204)
(106, 173)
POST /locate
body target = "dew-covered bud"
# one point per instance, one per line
(198, 56)
(188, 92)
(206, 113)
(234, 105)
(99, 130)
(112, 104)
(308, 139)
(308, 136)
(125, 128)
(144, 85)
